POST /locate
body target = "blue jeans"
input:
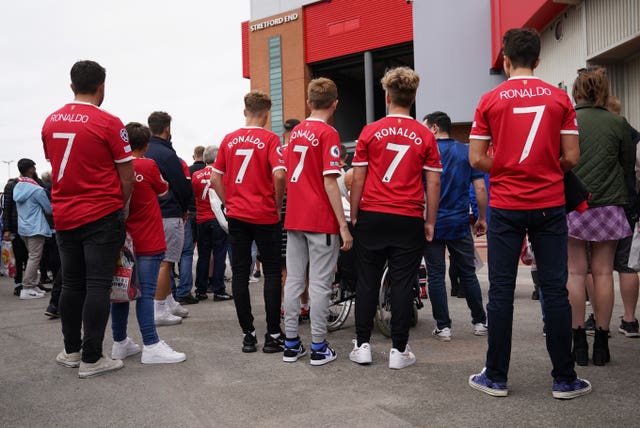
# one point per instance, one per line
(147, 268)
(186, 264)
(462, 255)
(89, 254)
(211, 239)
(547, 230)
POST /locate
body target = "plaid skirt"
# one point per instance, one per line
(608, 223)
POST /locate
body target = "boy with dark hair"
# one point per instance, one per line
(315, 221)
(392, 156)
(530, 123)
(249, 177)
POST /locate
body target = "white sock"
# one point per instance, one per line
(160, 305)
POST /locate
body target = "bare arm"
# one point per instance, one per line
(570, 148)
(279, 184)
(478, 157)
(127, 177)
(218, 185)
(433, 200)
(357, 184)
(333, 192)
(480, 227)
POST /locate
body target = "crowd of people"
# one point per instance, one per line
(406, 197)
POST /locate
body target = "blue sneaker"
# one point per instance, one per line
(569, 390)
(321, 354)
(293, 349)
(482, 383)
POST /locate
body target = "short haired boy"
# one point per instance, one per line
(535, 137)
(315, 221)
(387, 209)
(249, 177)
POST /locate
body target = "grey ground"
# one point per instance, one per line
(219, 386)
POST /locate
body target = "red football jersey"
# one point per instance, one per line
(524, 117)
(248, 158)
(313, 152)
(83, 144)
(396, 149)
(201, 183)
(144, 223)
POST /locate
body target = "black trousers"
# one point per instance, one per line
(21, 254)
(397, 241)
(268, 239)
(88, 254)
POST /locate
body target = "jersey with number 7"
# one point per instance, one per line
(396, 150)
(248, 158)
(524, 117)
(83, 144)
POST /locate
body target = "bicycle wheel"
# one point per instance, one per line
(383, 312)
(339, 308)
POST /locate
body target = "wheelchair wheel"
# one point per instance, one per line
(383, 312)
(339, 308)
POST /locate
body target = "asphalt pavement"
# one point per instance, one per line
(219, 386)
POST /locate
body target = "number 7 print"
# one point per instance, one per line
(538, 110)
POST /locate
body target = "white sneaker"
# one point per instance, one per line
(161, 353)
(443, 335)
(253, 280)
(124, 349)
(71, 360)
(399, 360)
(480, 329)
(360, 354)
(164, 317)
(103, 365)
(31, 293)
(176, 308)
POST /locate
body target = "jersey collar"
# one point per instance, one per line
(400, 115)
(315, 119)
(524, 77)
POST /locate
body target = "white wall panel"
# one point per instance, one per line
(610, 22)
(560, 59)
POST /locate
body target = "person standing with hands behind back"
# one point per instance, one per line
(535, 138)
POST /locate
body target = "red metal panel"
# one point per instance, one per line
(245, 49)
(343, 27)
(507, 14)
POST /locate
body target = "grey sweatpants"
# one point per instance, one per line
(320, 252)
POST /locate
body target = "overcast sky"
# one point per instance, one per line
(180, 56)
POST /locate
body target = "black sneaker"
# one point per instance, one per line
(293, 349)
(629, 329)
(201, 296)
(257, 274)
(17, 290)
(52, 311)
(187, 299)
(222, 297)
(249, 342)
(273, 345)
(43, 288)
(590, 325)
(535, 295)
(323, 355)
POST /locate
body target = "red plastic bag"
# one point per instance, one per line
(125, 286)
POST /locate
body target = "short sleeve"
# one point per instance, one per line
(361, 156)
(276, 156)
(220, 164)
(331, 152)
(158, 184)
(480, 129)
(118, 141)
(432, 159)
(569, 121)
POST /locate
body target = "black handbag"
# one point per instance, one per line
(576, 194)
